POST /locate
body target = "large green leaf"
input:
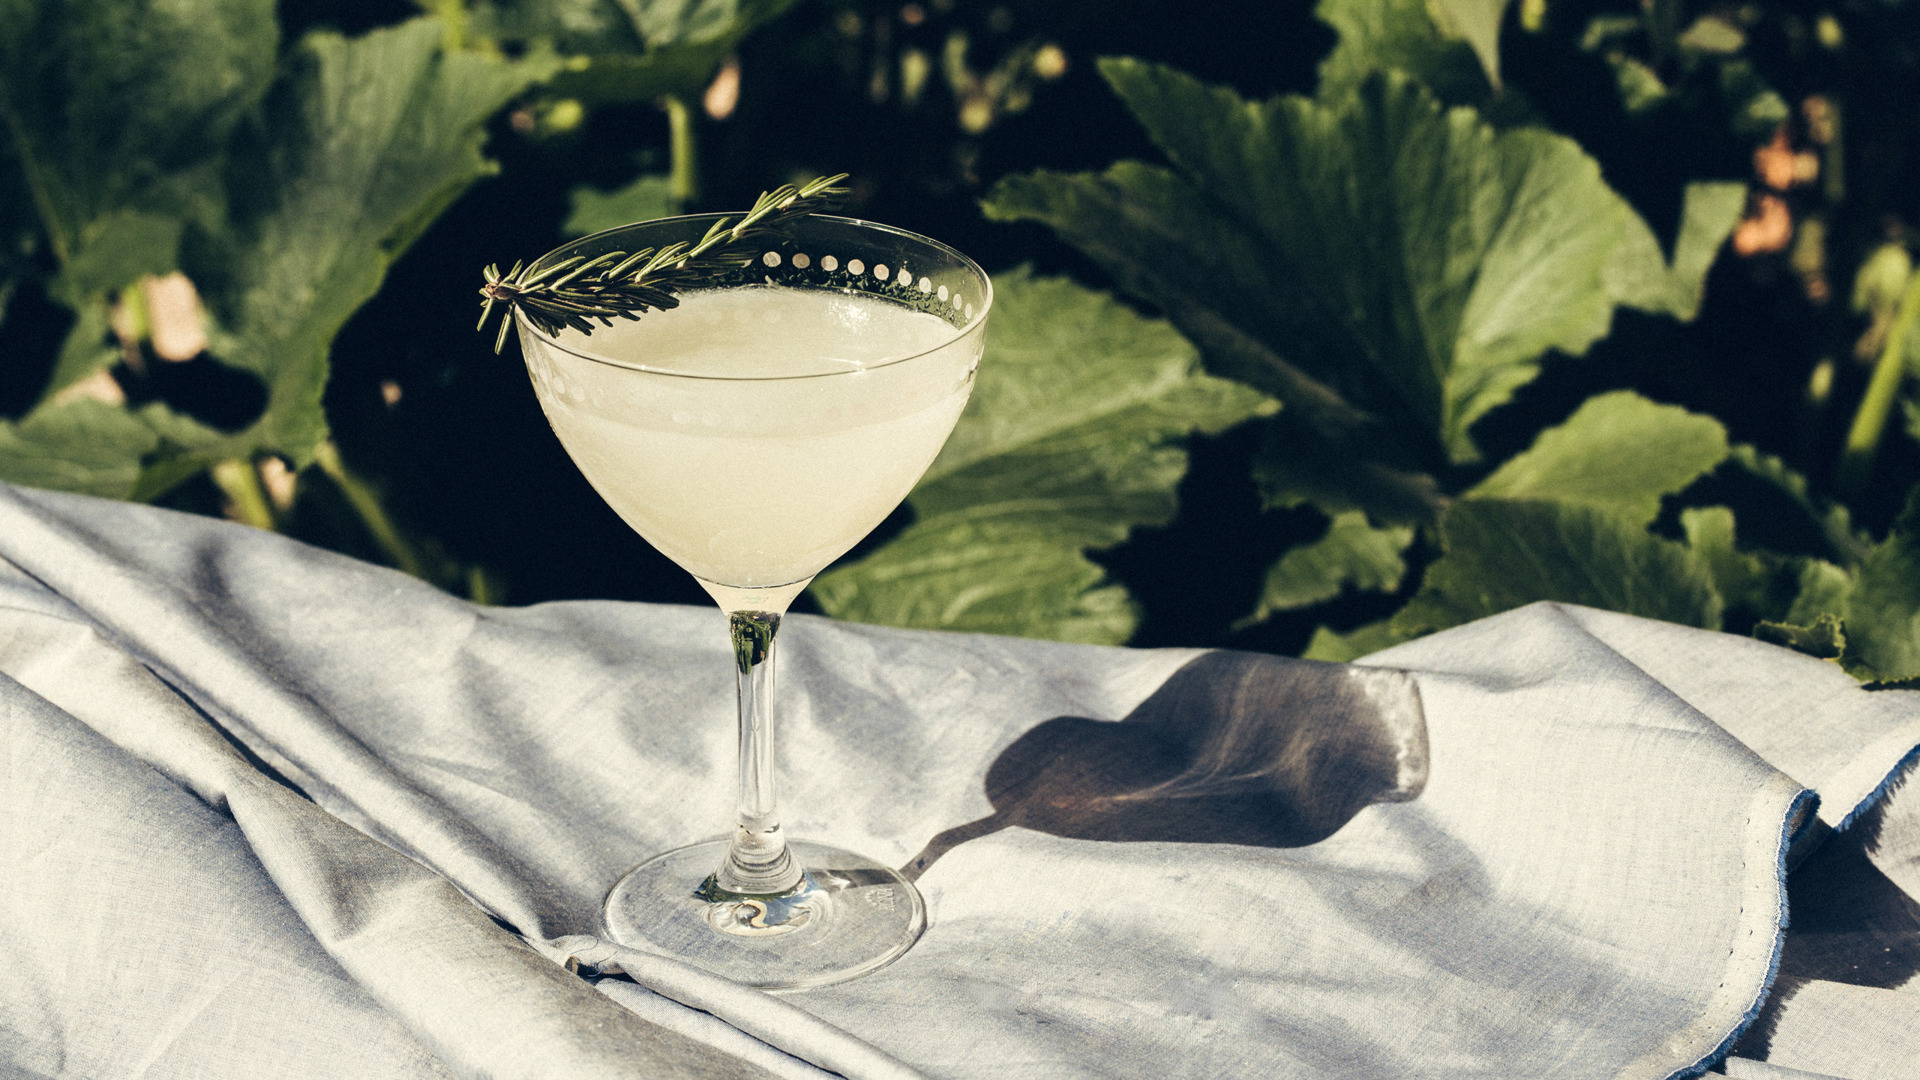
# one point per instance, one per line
(1501, 554)
(1069, 442)
(114, 105)
(1618, 451)
(1883, 608)
(1878, 603)
(1378, 259)
(363, 145)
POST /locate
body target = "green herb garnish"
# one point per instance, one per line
(578, 291)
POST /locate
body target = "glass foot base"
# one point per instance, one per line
(848, 916)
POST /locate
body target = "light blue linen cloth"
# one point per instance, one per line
(272, 812)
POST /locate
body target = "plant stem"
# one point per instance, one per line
(1833, 166)
(36, 182)
(685, 175)
(482, 587)
(361, 497)
(237, 479)
(1870, 420)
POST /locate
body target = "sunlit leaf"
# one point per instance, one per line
(1712, 34)
(1070, 441)
(1352, 553)
(1640, 87)
(1501, 554)
(992, 576)
(1618, 451)
(363, 142)
(1882, 280)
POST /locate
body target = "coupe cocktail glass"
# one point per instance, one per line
(753, 435)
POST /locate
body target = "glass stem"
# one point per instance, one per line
(757, 861)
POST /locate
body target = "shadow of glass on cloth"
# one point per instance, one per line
(1850, 924)
(1234, 748)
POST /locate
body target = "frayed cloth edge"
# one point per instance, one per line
(1801, 813)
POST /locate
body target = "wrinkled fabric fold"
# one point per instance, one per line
(476, 997)
(1137, 863)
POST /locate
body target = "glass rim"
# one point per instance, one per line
(973, 323)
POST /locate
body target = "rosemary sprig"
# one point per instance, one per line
(578, 291)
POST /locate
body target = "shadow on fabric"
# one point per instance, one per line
(1850, 924)
(1234, 748)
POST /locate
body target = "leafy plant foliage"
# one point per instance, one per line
(284, 195)
(1391, 270)
(1382, 263)
(144, 139)
(1393, 259)
(1368, 277)
(1068, 443)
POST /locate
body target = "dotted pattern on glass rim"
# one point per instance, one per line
(901, 283)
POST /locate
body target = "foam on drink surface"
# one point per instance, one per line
(740, 467)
